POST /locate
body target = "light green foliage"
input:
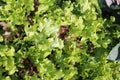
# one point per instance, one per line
(55, 58)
